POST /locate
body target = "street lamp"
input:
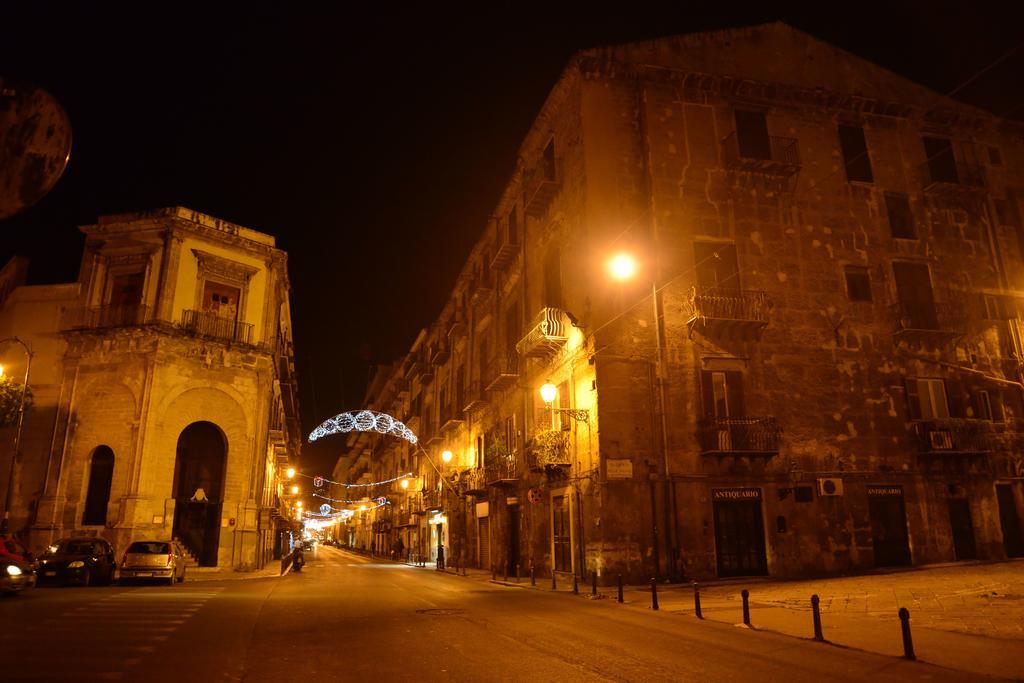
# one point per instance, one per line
(405, 483)
(4, 526)
(290, 473)
(623, 267)
(548, 394)
(446, 456)
(295, 490)
(298, 504)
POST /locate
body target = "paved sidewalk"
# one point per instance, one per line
(273, 569)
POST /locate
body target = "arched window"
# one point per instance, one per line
(101, 473)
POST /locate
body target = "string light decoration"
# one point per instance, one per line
(352, 486)
(363, 421)
(325, 509)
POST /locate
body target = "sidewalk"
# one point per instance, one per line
(194, 574)
(964, 617)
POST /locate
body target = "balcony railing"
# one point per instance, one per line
(780, 156)
(503, 372)
(953, 177)
(451, 418)
(206, 324)
(102, 317)
(546, 336)
(739, 436)
(439, 354)
(952, 436)
(720, 309)
(549, 449)
(472, 482)
(505, 249)
(940, 320)
(502, 472)
(476, 397)
(481, 290)
(432, 500)
(540, 187)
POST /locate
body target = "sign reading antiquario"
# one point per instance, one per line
(883, 491)
(619, 469)
(735, 494)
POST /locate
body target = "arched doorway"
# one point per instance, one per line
(199, 489)
(101, 474)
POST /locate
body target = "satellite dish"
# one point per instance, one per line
(35, 145)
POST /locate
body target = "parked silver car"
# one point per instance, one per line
(153, 560)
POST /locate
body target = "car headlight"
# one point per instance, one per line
(76, 564)
(13, 570)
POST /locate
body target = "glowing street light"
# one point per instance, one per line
(548, 392)
(446, 456)
(622, 267)
(405, 483)
(298, 504)
(295, 490)
(290, 472)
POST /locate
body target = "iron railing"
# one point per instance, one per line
(722, 303)
(502, 469)
(547, 334)
(953, 175)
(476, 396)
(207, 324)
(503, 371)
(549, 449)
(780, 154)
(952, 435)
(939, 317)
(540, 187)
(751, 435)
(103, 317)
(472, 481)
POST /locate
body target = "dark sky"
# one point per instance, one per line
(373, 143)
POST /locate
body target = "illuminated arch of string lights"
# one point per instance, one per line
(363, 421)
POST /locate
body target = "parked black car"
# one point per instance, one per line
(84, 561)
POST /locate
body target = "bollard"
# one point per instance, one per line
(908, 642)
(593, 583)
(746, 607)
(696, 601)
(554, 581)
(816, 613)
(533, 576)
(620, 589)
(517, 572)
(494, 573)
(654, 594)
(575, 585)
(505, 575)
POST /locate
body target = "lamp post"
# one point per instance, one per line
(623, 267)
(5, 525)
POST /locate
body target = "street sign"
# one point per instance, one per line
(535, 496)
(619, 469)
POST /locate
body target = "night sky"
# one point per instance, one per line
(374, 144)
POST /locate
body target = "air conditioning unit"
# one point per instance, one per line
(940, 440)
(830, 487)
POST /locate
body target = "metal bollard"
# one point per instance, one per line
(505, 575)
(696, 601)
(654, 594)
(593, 583)
(517, 572)
(575, 585)
(816, 613)
(620, 589)
(533, 576)
(554, 581)
(908, 642)
(494, 573)
(746, 607)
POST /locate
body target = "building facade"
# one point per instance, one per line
(165, 390)
(815, 368)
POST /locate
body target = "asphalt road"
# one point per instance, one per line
(348, 618)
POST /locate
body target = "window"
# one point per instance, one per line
(858, 283)
(752, 135)
(561, 533)
(101, 475)
(855, 153)
(126, 289)
(901, 220)
(914, 293)
(926, 399)
(513, 226)
(722, 393)
(940, 159)
(553, 279)
(988, 405)
(510, 434)
(221, 300)
(717, 267)
(512, 329)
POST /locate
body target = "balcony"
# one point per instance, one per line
(456, 327)
(503, 372)
(945, 176)
(952, 437)
(481, 291)
(728, 312)
(549, 449)
(476, 397)
(106, 317)
(540, 187)
(547, 334)
(211, 326)
(472, 482)
(505, 249)
(779, 157)
(502, 472)
(439, 354)
(432, 500)
(451, 418)
(739, 436)
(941, 322)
